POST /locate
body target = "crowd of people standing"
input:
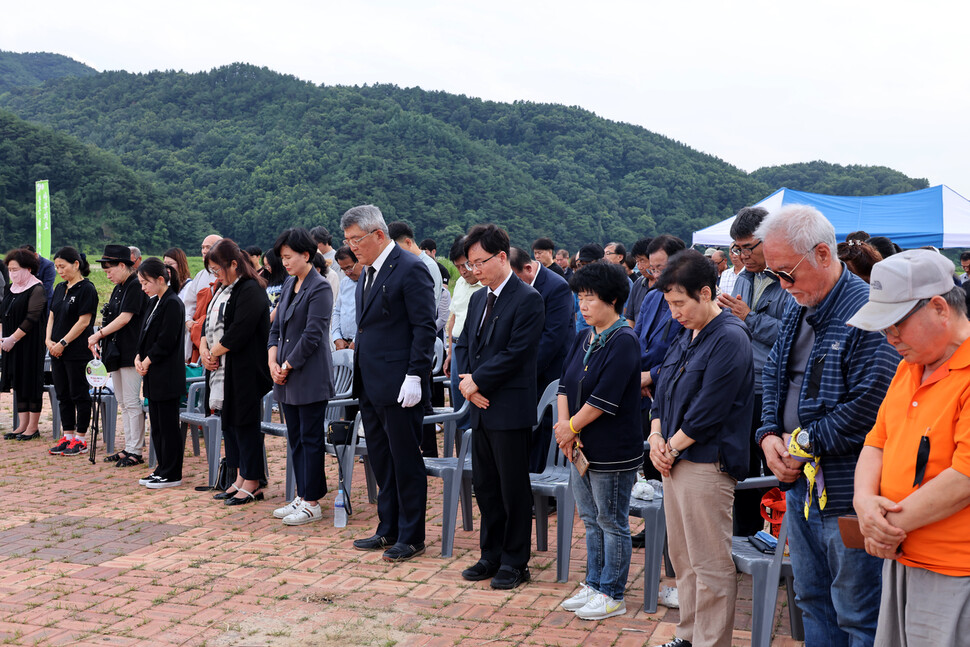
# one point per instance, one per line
(699, 369)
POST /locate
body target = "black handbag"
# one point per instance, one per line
(226, 476)
(111, 354)
(340, 432)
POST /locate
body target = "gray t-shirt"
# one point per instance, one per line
(797, 364)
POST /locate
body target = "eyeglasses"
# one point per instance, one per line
(787, 277)
(743, 251)
(355, 242)
(349, 270)
(471, 267)
(894, 329)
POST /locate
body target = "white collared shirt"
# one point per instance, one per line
(497, 292)
(379, 261)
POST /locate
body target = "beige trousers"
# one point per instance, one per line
(698, 500)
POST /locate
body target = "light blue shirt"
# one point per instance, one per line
(343, 324)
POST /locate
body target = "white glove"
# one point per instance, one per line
(410, 393)
(8, 343)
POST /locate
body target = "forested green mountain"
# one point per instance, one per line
(33, 68)
(94, 198)
(834, 179)
(252, 151)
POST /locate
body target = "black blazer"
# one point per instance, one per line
(503, 360)
(395, 327)
(247, 362)
(558, 332)
(301, 334)
(162, 340)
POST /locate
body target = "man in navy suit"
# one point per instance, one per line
(557, 335)
(499, 345)
(393, 350)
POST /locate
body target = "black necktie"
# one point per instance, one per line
(368, 283)
(489, 304)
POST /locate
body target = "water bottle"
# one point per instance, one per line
(339, 511)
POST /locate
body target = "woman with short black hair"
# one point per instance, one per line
(699, 436)
(22, 344)
(302, 370)
(599, 413)
(161, 364)
(70, 323)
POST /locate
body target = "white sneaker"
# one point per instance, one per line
(600, 607)
(305, 514)
(290, 507)
(579, 600)
(668, 597)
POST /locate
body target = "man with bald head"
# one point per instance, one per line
(190, 293)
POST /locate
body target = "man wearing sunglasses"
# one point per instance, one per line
(912, 483)
(823, 383)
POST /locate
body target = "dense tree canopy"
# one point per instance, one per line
(250, 151)
(18, 70)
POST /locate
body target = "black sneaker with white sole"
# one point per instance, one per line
(148, 479)
(160, 483)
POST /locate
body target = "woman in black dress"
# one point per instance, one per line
(234, 350)
(161, 364)
(23, 309)
(69, 325)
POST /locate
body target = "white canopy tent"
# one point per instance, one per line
(937, 216)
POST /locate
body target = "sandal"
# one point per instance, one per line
(249, 498)
(129, 459)
(114, 458)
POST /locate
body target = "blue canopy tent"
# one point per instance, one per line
(937, 216)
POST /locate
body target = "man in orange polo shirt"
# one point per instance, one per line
(912, 481)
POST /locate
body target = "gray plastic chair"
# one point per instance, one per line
(210, 426)
(554, 482)
(450, 470)
(655, 532)
(766, 571)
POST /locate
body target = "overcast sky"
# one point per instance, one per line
(755, 83)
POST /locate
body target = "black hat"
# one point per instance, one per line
(116, 254)
(590, 253)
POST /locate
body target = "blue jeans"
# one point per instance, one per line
(837, 589)
(603, 500)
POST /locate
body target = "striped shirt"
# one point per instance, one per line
(846, 378)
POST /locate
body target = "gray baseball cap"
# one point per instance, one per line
(899, 282)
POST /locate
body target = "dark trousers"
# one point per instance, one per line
(305, 433)
(649, 471)
(429, 435)
(168, 439)
(504, 494)
(244, 450)
(73, 397)
(394, 449)
(747, 503)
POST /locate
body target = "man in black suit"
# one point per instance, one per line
(557, 336)
(499, 344)
(394, 348)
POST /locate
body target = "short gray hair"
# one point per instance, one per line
(803, 227)
(957, 300)
(135, 251)
(367, 217)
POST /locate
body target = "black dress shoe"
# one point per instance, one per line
(639, 540)
(11, 435)
(374, 542)
(222, 496)
(246, 498)
(36, 434)
(403, 552)
(480, 570)
(509, 578)
(677, 642)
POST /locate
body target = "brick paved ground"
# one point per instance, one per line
(87, 557)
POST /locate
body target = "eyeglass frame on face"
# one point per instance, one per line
(788, 277)
(471, 267)
(355, 242)
(745, 252)
(894, 329)
(350, 269)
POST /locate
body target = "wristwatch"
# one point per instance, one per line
(803, 440)
(673, 452)
(63, 343)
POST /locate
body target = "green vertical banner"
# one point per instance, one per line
(43, 219)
